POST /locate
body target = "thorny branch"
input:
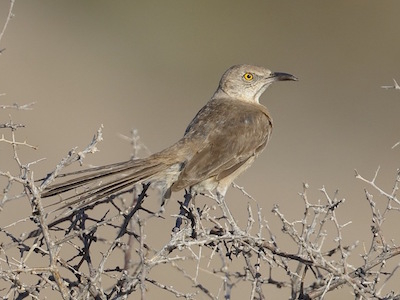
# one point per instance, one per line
(76, 252)
(221, 249)
(10, 15)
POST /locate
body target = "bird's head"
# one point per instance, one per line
(247, 82)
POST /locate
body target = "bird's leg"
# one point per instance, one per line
(184, 211)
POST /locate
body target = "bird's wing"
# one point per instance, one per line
(229, 133)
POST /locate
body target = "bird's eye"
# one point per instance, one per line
(248, 76)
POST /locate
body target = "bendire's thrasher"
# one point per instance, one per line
(221, 142)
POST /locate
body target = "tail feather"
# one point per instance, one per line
(132, 172)
(102, 172)
(101, 192)
(99, 168)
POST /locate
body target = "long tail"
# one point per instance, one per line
(129, 173)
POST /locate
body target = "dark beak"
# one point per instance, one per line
(283, 76)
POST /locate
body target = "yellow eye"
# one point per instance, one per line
(248, 76)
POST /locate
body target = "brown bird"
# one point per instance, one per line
(220, 143)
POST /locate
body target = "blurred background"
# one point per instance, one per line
(151, 65)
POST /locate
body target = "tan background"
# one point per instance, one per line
(151, 65)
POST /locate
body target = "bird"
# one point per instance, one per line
(221, 142)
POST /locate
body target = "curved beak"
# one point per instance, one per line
(278, 76)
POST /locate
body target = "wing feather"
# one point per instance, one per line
(231, 133)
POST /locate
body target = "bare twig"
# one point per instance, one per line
(10, 15)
